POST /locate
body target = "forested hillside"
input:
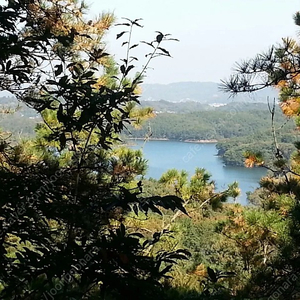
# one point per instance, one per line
(19, 120)
(237, 128)
(176, 107)
(209, 125)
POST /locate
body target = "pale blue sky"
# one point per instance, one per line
(213, 34)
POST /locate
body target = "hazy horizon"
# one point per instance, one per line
(213, 34)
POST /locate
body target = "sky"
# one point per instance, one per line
(213, 34)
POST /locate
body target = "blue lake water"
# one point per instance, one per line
(164, 155)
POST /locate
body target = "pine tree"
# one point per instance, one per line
(275, 222)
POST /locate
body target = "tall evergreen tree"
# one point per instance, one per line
(277, 217)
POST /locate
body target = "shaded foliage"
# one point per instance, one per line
(63, 206)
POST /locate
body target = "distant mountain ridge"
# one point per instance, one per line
(202, 92)
(163, 106)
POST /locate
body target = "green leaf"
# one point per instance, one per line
(62, 140)
(134, 46)
(212, 275)
(135, 209)
(128, 69)
(159, 37)
(165, 270)
(149, 44)
(123, 69)
(88, 74)
(8, 65)
(164, 51)
(120, 34)
(60, 116)
(59, 70)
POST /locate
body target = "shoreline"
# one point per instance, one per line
(201, 141)
(150, 139)
(184, 141)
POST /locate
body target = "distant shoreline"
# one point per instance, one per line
(201, 141)
(185, 141)
(150, 139)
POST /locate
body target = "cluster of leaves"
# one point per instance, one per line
(62, 207)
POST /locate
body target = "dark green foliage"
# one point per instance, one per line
(62, 209)
(236, 128)
(216, 124)
(232, 151)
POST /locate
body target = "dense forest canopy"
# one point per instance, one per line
(236, 128)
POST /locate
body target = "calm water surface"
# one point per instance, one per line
(164, 155)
